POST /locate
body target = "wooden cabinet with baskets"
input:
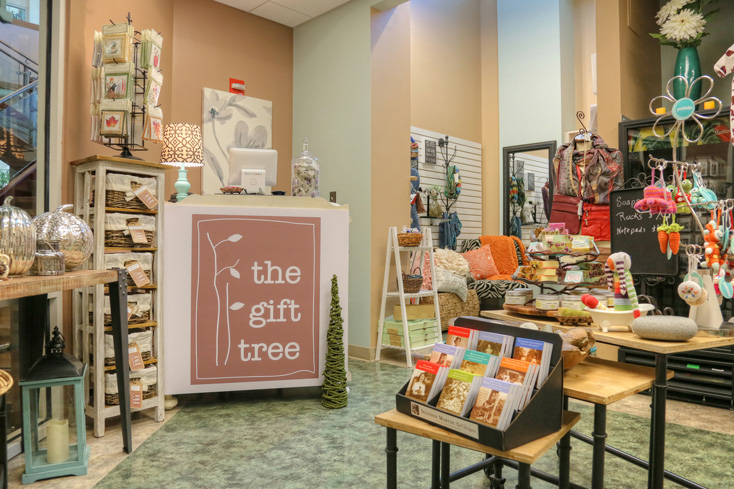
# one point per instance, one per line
(106, 196)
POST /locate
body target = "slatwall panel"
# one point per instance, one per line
(469, 161)
(539, 167)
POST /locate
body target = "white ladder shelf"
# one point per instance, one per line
(393, 253)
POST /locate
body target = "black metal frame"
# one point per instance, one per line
(522, 148)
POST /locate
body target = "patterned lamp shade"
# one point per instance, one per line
(182, 145)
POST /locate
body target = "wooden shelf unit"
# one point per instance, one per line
(90, 178)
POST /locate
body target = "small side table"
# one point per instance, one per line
(603, 382)
(441, 477)
(34, 320)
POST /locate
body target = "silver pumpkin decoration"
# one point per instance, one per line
(74, 235)
(17, 237)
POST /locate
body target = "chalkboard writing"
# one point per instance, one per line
(430, 151)
(637, 235)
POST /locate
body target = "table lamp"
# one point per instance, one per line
(182, 147)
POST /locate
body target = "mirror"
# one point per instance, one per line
(527, 192)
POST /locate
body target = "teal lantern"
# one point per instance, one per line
(55, 455)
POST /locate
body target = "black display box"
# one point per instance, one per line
(542, 416)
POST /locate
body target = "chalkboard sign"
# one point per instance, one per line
(637, 235)
(430, 151)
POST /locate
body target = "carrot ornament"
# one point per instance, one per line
(674, 230)
(663, 238)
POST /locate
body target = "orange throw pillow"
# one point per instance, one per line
(481, 263)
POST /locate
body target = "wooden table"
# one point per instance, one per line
(661, 349)
(603, 382)
(34, 324)
(524, 455)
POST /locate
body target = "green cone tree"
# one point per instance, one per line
(334, 389)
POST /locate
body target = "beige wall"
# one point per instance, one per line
(584, 35)
(213, 42)
(491, 164)
(83, 18)
(198, 51)
(628, 63)
(445, 67)
(391, 88)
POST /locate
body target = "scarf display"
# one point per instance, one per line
(602, 171)
(723, 67)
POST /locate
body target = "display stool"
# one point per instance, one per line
(603, 382)
(522, 457)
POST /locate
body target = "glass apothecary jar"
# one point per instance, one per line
(305, 174)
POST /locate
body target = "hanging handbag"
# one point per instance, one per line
(419, 207)
(567, 209)
(595, 221)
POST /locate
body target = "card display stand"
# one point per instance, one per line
(542, 416)
(93, 204)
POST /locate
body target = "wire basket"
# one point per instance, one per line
(412, 283)
(6, 382)
(409, 239)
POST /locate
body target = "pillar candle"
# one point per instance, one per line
(57, 441)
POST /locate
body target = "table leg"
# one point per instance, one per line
(657, 424)
(600, 435)
(34, 327)
(445, 465)
(391, 449)
(118, 308)
(436, 465)
(564, 456)
(523, 476)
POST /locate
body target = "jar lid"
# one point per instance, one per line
(548, 297)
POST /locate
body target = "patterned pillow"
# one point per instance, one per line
(451, 261)
(481, 263)
(451, 282)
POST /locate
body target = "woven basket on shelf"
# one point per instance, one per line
(114, 399)
(412, 283)
(450, 306)
(409, 239)
(131, 282)
(120, 239)
(6, 382)
(145, 354)
(142, 317)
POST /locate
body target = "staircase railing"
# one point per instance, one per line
(21, 90)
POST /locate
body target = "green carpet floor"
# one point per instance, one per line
(288, 441)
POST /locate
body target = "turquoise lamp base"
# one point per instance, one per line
(182, 185)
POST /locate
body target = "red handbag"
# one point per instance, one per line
(595, 222)
(566, 209)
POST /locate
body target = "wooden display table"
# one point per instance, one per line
(34, 322)
(524, 455)
(661, 349)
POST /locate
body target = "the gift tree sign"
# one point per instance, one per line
(254, 298)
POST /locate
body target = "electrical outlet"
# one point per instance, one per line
(332, 197)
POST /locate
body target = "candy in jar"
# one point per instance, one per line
(305, 174)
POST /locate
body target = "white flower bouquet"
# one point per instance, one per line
(682, 22)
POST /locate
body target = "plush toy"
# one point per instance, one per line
(712, 237)
(680, 199)
(619, 279)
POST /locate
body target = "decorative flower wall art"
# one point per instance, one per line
(231, 121)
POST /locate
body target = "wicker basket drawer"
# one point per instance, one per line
(144, 339)
(120, 189)
(148, 377)
(117, 233)
(118, 260)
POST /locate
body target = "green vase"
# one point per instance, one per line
(687, 65)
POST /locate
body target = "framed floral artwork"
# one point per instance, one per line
(229, 120)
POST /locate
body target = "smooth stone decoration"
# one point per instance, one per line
(668, 328)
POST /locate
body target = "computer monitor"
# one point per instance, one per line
(253, 159)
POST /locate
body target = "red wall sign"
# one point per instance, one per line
(254, 298)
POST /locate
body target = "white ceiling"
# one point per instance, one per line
(286, 12)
